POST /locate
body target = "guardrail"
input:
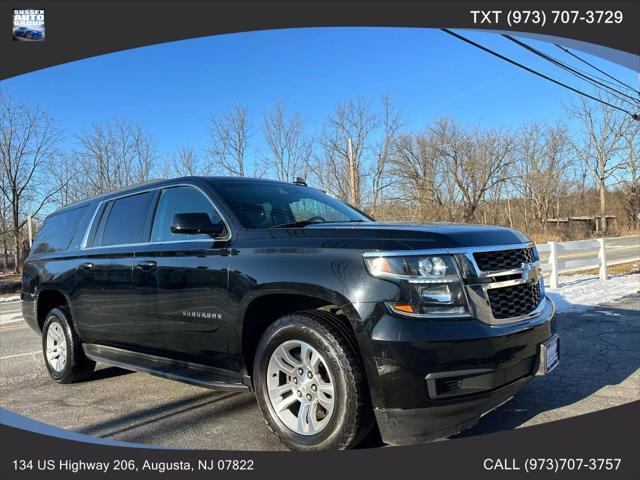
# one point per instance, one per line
(560, 257)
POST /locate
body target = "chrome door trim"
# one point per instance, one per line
(227, 238)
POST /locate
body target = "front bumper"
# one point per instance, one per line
(406, 427)
(433, 378)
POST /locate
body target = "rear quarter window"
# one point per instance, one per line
(57, 231)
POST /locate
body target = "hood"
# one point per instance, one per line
(403, 236)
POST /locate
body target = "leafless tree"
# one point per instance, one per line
(476, 162)
(289, 149)
(448, 172)
(344, 144)
(544, 159)
(28, 143)
(599, 144)
(5, 230)
(390, 122)
(230, 134)
(363, 155)
(631, 174)
(417, 166)
(113, 155)
(185, 162)
(65, 175)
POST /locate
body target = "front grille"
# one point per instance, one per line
(514, 301)
(504, 259)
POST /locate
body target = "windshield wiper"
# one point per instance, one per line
(300, 224)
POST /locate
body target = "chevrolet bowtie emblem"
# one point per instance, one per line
(530, 273)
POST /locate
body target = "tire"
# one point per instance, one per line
(59, 337)
(331, 421)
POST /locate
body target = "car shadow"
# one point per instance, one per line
(208, 416)
(599, 349)
(159, 414)
(108, 372)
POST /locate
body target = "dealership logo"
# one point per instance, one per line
(28, 25)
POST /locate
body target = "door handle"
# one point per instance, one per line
(146, 265)
(86, 266)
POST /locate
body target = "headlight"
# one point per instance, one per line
(435, 268)
(432, 283)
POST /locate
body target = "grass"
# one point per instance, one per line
(621, 269)
(573, 235)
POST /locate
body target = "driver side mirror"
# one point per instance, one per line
(194, 223)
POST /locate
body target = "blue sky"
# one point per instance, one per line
(171, 89)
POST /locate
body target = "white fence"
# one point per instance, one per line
(563, 257)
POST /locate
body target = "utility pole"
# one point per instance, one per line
(352, 174)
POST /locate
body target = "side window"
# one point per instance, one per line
(126, 220)
(180, 200)
(57, 231)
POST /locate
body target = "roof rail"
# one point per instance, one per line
(101, 195)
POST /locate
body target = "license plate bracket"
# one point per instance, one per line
(549, 355)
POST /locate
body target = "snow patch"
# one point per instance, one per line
(11, 298)
(579, 292)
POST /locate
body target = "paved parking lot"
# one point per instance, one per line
(600, 368)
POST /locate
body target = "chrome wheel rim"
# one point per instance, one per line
(56, 347)
(300, 387)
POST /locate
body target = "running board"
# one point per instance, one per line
(193, 373)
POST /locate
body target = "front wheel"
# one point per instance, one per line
(310, 383)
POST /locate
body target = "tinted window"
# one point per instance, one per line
(126, 220)
(97, 226)
(57, 231)
(180, 200)
(267, 204)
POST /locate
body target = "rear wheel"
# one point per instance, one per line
(310, 383)
(63, 355)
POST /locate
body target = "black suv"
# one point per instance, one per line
(335, 321)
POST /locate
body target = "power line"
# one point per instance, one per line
(566, 50)
(530, 70)
(572, 70)
(596, 77)
(591, 75)
(586, 76)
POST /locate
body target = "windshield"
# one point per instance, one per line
(270, 204)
